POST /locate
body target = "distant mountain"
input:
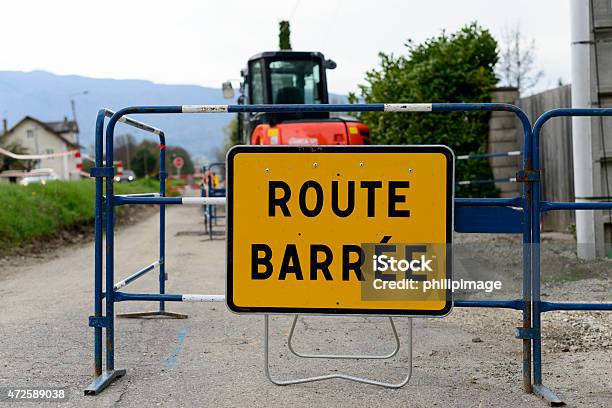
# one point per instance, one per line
(47, 97)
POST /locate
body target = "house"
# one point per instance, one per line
(40, 137)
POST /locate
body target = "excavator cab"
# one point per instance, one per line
(290, 77)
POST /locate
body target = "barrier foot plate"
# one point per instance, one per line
(547, 395)
(159, 313)
(102, 381)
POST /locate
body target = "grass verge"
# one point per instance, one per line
(36, 211)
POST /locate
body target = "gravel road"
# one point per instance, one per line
(215, 358)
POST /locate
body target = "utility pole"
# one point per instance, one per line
(582, 143)
(127, 151)
(74, 116)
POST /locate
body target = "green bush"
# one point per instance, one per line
(449, 68)
(36, 210)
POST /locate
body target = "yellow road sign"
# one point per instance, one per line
(340, 230)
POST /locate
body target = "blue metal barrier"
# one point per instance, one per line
(209, 188)
(539, 207)
(100, 171)
(516, 214)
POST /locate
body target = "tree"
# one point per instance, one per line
(232, 135)
(517, 66)
(449, 68)
(176, 151)
(124, 149)
(284, 35)
(145, 162)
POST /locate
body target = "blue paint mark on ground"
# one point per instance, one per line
(172, 360)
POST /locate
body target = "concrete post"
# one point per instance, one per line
(582, 144)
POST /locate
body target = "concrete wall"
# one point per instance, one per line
(41, 141)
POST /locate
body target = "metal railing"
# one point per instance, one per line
(516, 215)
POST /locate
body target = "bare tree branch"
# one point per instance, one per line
(517, 65)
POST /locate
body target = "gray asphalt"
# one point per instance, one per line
(215, 358)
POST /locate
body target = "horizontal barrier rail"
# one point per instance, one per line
(139, 195)
(489, 202)
(121, 296)
(487, 155)
(560, 205)
(460, 202)
(517, 304)
(552, 306)
(118, 200)
(488, 181)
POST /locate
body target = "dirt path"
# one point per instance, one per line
(214, 358)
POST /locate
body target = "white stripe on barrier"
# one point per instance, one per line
(485, 155)
(154, 195)
(203, 108)
(467, 182)
(203, 298)
(135, 123)
(203, 200)
(408, 107)
(124, 282)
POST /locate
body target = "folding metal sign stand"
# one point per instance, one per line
(332, 356)
(400, 384)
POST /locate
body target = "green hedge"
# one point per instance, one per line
(457, 67)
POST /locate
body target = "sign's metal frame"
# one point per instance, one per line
(405, 149)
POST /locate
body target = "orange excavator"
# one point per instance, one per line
(292, 77)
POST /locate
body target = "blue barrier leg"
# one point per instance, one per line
(538, 388)
(209, 220)
(527, 273)
(162, 224)
(98, 247)
(110, 263)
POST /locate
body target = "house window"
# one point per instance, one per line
(49, 151)
(30, 134)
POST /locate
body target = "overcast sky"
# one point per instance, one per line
(206, 42)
